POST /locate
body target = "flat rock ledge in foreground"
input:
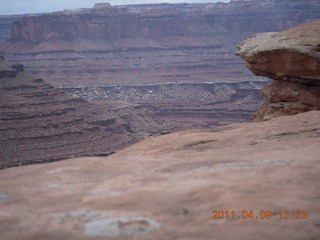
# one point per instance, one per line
(292, 59)
(167, 187)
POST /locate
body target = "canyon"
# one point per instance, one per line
(40, 123)
(180, 45)
(260, 179)
(180, 106)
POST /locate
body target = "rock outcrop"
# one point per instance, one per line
(167, 187)
(292, 59)
(39, 123)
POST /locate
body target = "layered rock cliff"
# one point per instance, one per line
(39, 123)
(123, 46)
(6, 23)
(292, 59)
(148, 43)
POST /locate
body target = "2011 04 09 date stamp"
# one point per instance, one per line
(261, 214)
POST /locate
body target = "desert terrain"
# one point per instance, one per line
(254, 180)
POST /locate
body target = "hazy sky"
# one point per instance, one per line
(38, 6)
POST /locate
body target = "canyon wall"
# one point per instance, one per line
(40, 123)
(148, 43)
(131, 45)
(6, 23)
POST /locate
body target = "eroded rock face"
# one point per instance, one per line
(6, 24)
(39, 123)
(148, 43)
(292, 59)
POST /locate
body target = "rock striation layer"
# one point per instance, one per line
(39, 123)
(148, 43)
(167, 187)
(292, 59)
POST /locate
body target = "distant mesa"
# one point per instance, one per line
(146, 43)
(238, 0)
(102, 5)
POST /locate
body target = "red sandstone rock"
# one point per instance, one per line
(292, 59)
(167, 187)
